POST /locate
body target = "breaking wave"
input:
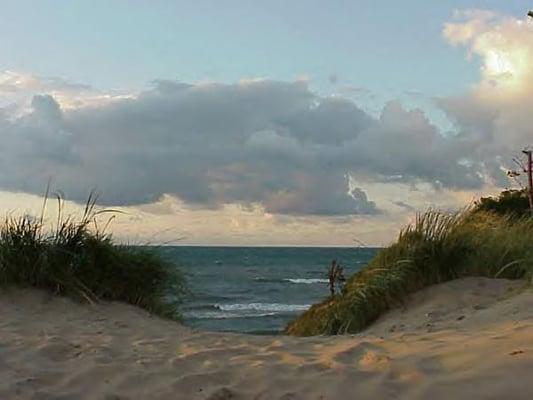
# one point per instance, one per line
(306, 281)
(272, 307)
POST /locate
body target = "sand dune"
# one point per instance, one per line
(466, 339)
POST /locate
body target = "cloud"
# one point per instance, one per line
(405, 206)
(255, 142)
(12, 81)
(503, 44)
(333, 79)
(494, 117)
(16, 87)
(356, 90)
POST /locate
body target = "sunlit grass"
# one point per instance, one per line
(76, 258)
(436, 248)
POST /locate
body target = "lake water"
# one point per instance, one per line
(257, 289)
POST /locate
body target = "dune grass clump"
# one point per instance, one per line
(436, 248)
(77, 259)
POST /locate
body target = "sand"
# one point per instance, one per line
(466, 339)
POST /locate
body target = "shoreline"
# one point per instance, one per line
(469, 338)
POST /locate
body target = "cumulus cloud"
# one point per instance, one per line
(13, 81)
(494, 116)
(16, 87)
(503, 44)
(257, 142)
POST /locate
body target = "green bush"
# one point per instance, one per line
(80, 261)
(438, 247)
(514, 203)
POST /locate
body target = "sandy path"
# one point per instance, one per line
(467, 339)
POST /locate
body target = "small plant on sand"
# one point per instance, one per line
(78, 259)
(335, 277)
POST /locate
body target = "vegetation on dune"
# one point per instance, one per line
(76, 258)
(513, 203)
(484, 241)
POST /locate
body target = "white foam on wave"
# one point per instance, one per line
(226, 315)
(306, 281)
(276, 307)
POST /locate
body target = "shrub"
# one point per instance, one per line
(514, 203)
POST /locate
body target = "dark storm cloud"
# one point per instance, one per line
(268, 142)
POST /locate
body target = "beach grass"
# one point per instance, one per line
(437, 247)
(74, 257)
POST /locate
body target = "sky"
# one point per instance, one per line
(262, 123)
